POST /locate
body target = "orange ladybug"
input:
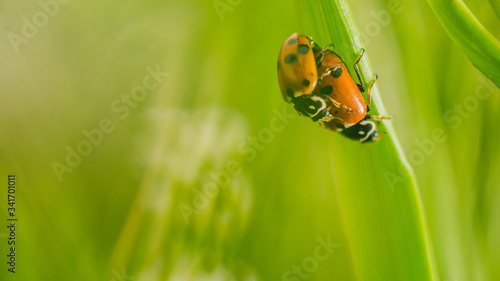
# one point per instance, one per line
(297, 66)
(349, 105)
(337, 102)
(349, 108)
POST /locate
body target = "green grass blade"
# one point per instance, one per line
(495, 5)
(379, 199)
(480, 46)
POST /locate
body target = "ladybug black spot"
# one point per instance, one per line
(291, 58)
(336, 112)
(326, 90)
(303, 49)
(289, 92)
(337, 73)
(306, 82)
(292, 41)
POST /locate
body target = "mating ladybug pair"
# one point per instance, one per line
(317, 81)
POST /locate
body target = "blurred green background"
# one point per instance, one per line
(132, 208)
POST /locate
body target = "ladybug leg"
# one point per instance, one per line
(323, 123)
(341, 106)
(340, 120)
(368, 93)
(361, 86)
(378, 118)
(332, 117)
(327, 71)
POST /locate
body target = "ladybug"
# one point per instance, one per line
(336, 98)
(349, 108)
(336, 102)
(298, 66)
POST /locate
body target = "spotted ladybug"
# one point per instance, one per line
(349, 110)
(336, 98)
(297, 66)
(336, 101)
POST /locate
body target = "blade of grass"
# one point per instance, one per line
(379, 199)
(495, 5)
(480, 46)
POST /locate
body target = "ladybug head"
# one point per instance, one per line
(365, 131)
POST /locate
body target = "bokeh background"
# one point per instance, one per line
(132, 209)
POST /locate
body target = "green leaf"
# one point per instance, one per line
(378, 195)
(480, 46)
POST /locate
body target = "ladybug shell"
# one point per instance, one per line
(340, 86)
(297, 73)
